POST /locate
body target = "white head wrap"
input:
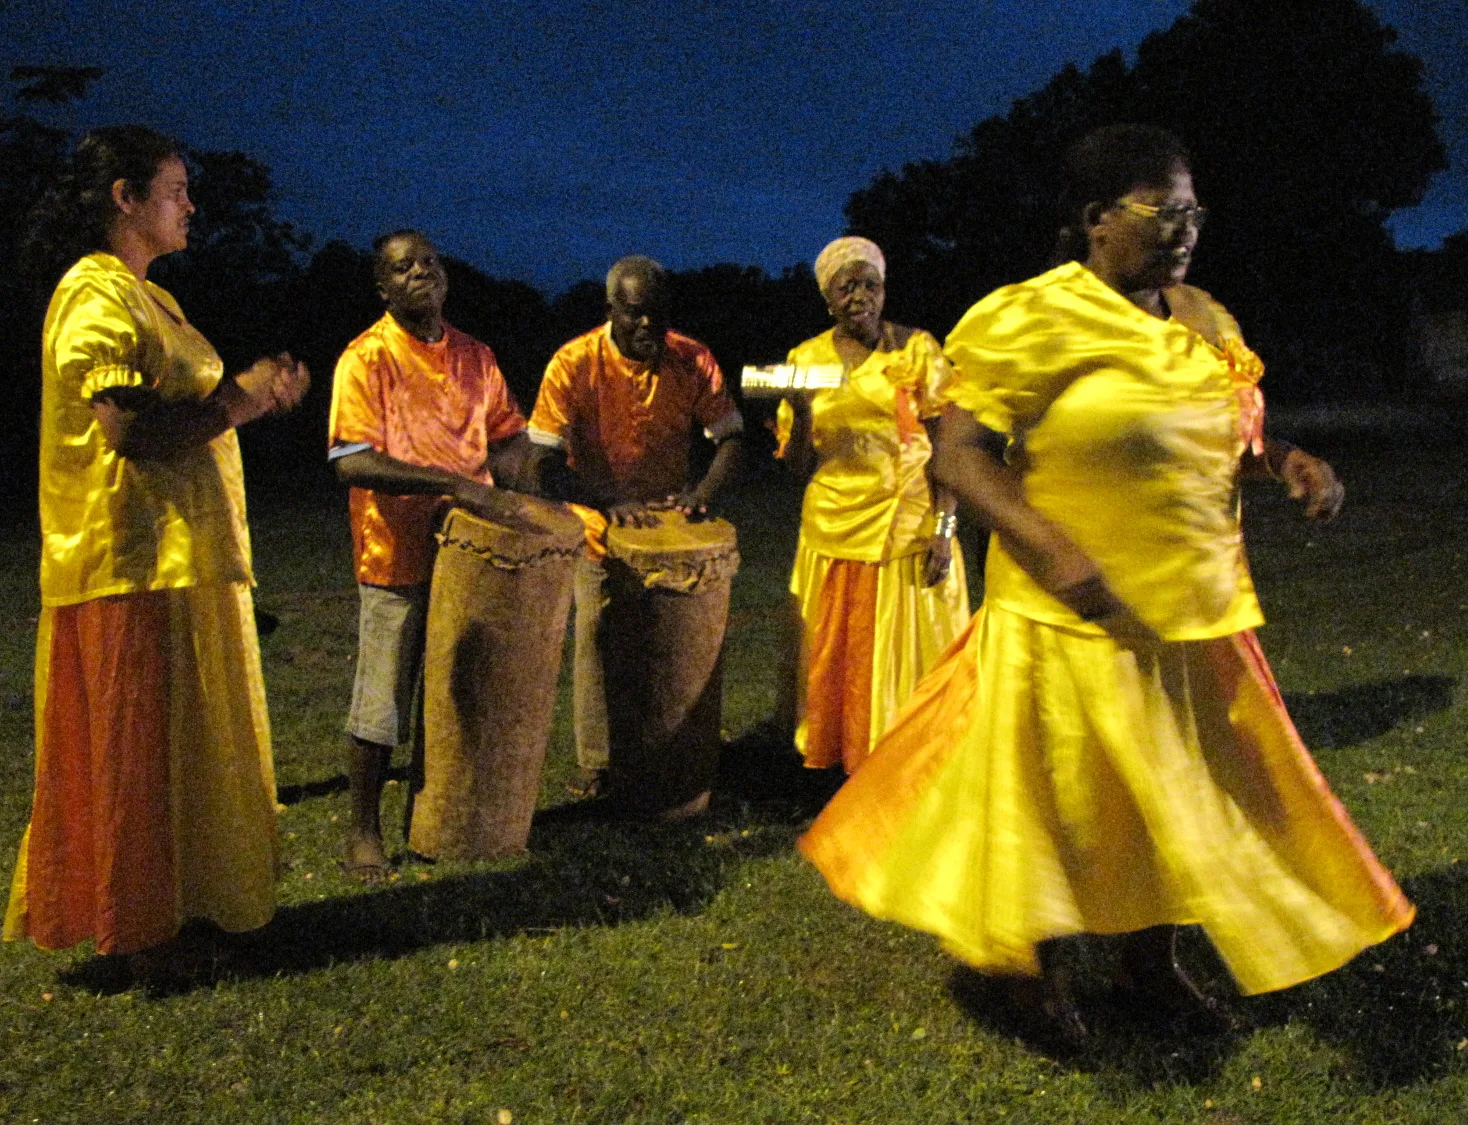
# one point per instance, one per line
(843, 252)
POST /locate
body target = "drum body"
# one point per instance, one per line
(662, 640)
(497, 613)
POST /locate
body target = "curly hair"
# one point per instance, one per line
(73, 216)
(1103, 166)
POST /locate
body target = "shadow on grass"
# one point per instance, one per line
(1398, 1012)
(586, 866)
(582, 870)
(763, 769)
(1400, 1009)
(1331, 720)
(328, 787)
(1123, 1040)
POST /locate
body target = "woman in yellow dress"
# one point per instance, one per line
(878, 581)
(1106, 751)
(155, 793)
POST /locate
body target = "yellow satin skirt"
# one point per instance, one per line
(892, 629)
(1042, 783)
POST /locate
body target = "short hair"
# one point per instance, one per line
(1107, 163)
(639, 266)
(380, 244)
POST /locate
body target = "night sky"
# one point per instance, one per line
(540, 140)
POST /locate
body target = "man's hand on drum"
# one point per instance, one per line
(690, 502)
(631, 513)
(940, 558)
(498, 505)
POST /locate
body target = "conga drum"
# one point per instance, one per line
(497, 613)
(662, 639)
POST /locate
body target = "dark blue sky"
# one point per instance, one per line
(542, 139)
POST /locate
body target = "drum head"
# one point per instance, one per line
(679, 553)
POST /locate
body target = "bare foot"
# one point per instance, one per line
(587, 783)
(365, 858)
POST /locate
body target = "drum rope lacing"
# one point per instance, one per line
(504, 561)
(683, 575)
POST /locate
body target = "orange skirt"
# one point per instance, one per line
(155, 795)
(838, 692)
(868, 633)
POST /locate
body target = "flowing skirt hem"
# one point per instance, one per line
(1042, 784)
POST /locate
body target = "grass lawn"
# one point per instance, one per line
(702, 973)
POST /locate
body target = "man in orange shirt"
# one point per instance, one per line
(420, 418)
(620, 405)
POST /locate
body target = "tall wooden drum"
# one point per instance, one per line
(662, 639)
(496, 626)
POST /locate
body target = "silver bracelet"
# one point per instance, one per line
(945, 525)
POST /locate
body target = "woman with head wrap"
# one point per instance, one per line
(878, 580)
(1106, 750)
(155, 793)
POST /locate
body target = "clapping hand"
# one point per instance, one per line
(292, 381)
(1314, 483)
(270, 385)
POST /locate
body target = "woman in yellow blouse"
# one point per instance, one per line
(878, 580)
(155, 793)
(1107, 752)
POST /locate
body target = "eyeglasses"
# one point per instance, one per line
(1169, 215)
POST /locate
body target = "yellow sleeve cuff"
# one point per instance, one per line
(110, 375)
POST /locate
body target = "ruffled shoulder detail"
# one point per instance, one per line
(1199, 311)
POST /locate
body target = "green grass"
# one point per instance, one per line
(702, 973)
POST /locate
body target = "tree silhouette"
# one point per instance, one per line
(1307, 131)
(55, 85)
(31, 155)
(236, 282)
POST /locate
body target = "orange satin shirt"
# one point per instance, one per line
(440, 405)
(622, 422)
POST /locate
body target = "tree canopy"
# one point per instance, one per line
(1307, 130)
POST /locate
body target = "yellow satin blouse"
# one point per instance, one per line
(1126, 430)
(119, 525)
(869, 499)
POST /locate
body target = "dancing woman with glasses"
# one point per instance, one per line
(1105, 751)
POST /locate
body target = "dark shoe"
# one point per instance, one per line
(1166, 993)
(197, 954)
(1047, 1010)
